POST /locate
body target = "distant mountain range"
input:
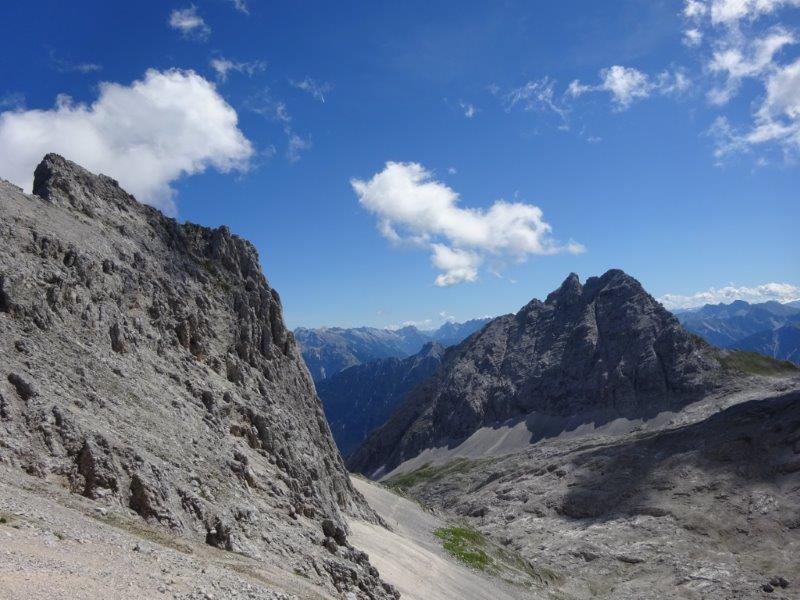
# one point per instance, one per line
(770, 328)
(361, 398)
(329, 350)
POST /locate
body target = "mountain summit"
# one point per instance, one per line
(603, 349)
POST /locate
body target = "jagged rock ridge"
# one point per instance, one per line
(606, 349)
(146, 364)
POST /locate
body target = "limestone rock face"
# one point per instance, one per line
(145, 363)
(605, 349)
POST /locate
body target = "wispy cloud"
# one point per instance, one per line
(296, 146)
(241, 6)
(412, 207)
(626, 85)
(13, 100)
(469, 110)
(189, 23)
(746, 40)
(65, 66)
(222, 66)
(272, 109)
(780, 292)
(317, 89)
(538, 95)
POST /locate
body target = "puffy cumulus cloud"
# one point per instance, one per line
(412, 207)
(146, 135)
(780, 292)
(222, 66)
(627, 84)
(459, 266)
(189, 23)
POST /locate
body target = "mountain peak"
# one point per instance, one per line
(605, 349)
(67, 184)
(569, 291)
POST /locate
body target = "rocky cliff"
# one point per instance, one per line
(146, 364)
(604, 349)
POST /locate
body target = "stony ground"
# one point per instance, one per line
(706, 508)
(412, 558)
(55, 545)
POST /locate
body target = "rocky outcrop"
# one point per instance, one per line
(361, 398)
(146, 364)
(604, 349)
(704, 508)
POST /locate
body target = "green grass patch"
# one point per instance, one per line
(471, 547)
(753, 363)
(465, 544)
(427, 473)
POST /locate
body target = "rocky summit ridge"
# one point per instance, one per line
(146, 366)
(603, 349)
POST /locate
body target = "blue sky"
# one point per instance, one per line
(657, 137)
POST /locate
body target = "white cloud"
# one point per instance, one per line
(275, 110)
(422, 325)
(296, 145)
(315, 88)
(222, 66)
(780, 292)
(12, 100)
(452, 170)
(189, 23)
(692, 37)
(241, 6)
(777, 119)
(729, 12)
(627, 84)
(537, 95)
(146, 135)
(740, 61)
(748, 41)
(411, 206)
(65, 66)
(459, 266)
(694, 9)
(468, 109)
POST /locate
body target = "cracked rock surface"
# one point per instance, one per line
(146, 367)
